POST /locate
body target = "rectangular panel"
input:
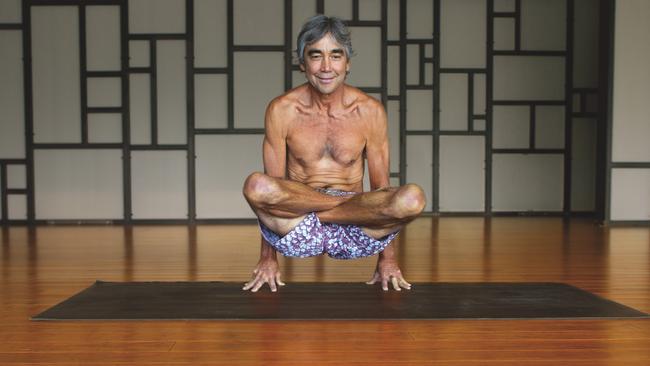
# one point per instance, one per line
(392, 20)
(393, 70)
(339, 8)
(504, 5)
(140, 108)
(211, 101)
(17, 207)
(528, 78)
(462, 173)
(297, 78)
(630, 197)
(462, 33)
(504, 34)
(549, 127)
(511, 127)
(301, 11)
(419, 165)
(631, 109)
(55, 74)
(369, 9)
(16, 176)
(251, 16)
(454, 98)
(480, 95)
(10, 11)
(254, 90)
(543, 24)
(159, 184)
(393, 134)
(527, 182)
(219, 195)
(585, 43)
(12, 117)
(210, 33)
(156, 16)
(172, 94)
(412, 64)
(103, 38)
(365, 69)
(419, 19)
(104, 92)
(139, 54)
(419, 110)
(583, 164)
(104, 128)
(73, 184)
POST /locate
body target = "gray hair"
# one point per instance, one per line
(316, 28)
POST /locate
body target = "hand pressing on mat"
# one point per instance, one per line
(387, 270)
(267, 271)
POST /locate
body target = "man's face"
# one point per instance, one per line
(326, 64)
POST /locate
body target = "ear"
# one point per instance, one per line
(302, 67)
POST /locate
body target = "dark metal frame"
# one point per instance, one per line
(126, 147)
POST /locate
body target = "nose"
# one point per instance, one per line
(325, 65)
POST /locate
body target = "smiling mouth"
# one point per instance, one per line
(325, 80)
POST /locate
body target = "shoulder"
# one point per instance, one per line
(369, 107)
(281, 109)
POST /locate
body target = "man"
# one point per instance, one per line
(310, 200)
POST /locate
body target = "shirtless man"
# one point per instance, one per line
(310, 200)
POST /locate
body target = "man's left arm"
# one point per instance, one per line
(377, 155)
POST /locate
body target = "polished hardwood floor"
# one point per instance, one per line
(45, 265)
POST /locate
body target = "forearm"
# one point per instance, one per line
(267, 251)
(388, 253)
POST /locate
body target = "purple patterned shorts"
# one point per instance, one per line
(312, 237)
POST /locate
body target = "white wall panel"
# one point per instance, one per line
(17, 207)
(454, 98)
(420, 19)
(504, 34)
(301, 11)
(583, 164)
(462, 173)
(16, 176)
(365, 68)
(412, 64)
(630, 197)
(527, 182)
(543, 24)
(585, 43)
(10, 11)
(631, 109)
(55, 74)
(392, 110)
(252, 16)
(219, 183)
(159, 184)
(210, 33)
(511, 127)
(528, 78)
(339, 8)
(392, 20)
(419, 110)
(73, 184)
(392, 70)
(105, 127)
(211, 101)
(12, 115)
(419, 164)
(462, 33)
(297, 78)
(140, 108)
(504, 5)
(156, 16)
(255, 89)
(139, 54)
(104, 92)
(549, 127)
(370, 9)
(480, 95)
(103, 38)
(172, 94)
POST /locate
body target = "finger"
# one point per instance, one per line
(404, 284)
(373, 280)
(384, 284)
(279, 280)
(395, 283)
(252, 282)
(258, 285)
(272, 285)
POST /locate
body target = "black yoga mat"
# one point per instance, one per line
(223, 300)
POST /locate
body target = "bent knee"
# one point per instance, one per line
(260, 189)
(408, 202)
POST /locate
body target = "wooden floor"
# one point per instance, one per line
(43, 266)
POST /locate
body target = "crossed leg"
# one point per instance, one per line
(281, 204)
